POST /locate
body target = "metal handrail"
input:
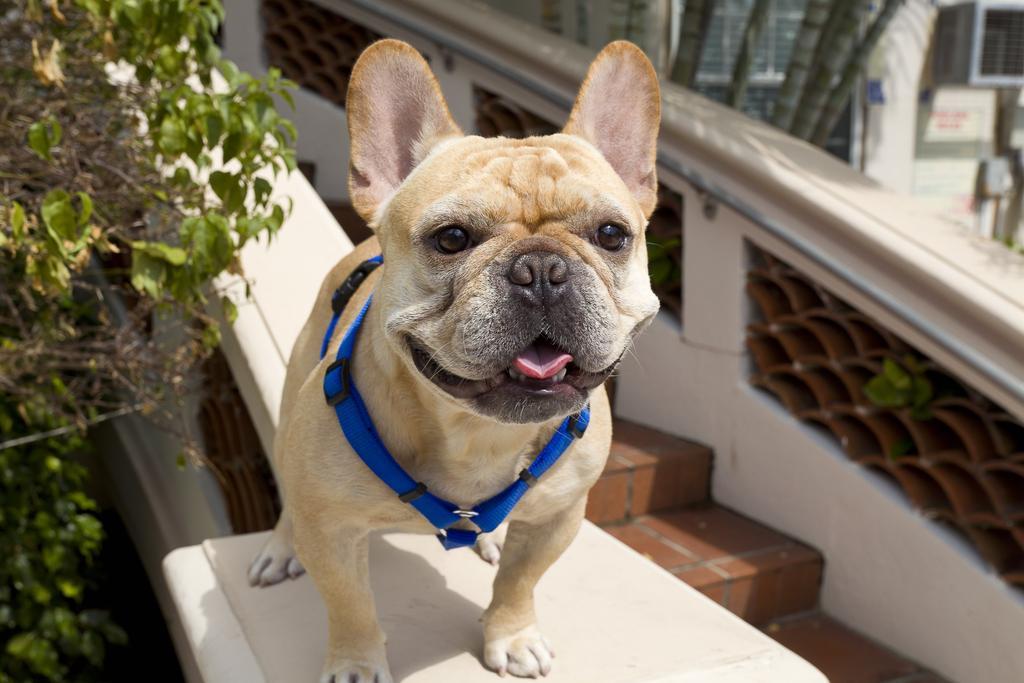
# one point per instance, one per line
(550, 68)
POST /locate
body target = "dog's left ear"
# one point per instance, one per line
(396, 114)
(618, 110)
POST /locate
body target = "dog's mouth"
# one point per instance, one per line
(541, 369)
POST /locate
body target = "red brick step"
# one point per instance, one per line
(844, 655)
(744, 566)
(654, 497)
(649, 471)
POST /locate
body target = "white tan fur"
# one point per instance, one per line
(411, 171)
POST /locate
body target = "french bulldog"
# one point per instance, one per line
(514, 278)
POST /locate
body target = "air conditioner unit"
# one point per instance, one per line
(980, 44)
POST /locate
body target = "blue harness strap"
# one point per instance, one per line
(344, 293)
(340, 393)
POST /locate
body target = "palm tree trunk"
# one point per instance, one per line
(705, 26)
(815, 16)
(836, 15)
(691, 40)
(840, 94)
(741, 68)
(834, 50)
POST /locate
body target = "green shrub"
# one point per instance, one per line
(129, 178)
(48, 538)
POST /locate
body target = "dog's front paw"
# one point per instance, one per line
(525, 653)
(349, 671)
(274, 563)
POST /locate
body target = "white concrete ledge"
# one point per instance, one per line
(610, 614)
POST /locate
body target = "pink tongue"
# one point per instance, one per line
(540, 360)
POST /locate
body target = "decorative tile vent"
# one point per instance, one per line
(957, 456)
(233, 451)
(496, 115)
(312, 46)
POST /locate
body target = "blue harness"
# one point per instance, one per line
(341, 394)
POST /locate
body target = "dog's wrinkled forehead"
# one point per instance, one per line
(497, 181)
(526, 177)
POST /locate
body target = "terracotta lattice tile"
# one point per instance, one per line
(959, 463)
(313, 46)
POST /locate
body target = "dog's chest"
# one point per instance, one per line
(467, 481)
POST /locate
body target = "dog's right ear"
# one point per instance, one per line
(618, 110)
(396, 113)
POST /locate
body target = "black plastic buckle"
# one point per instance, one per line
(410, 496)
(347, 288)
(527, 477)
(574, 427)
(346, 382)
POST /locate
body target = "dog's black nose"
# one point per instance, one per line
(539, 273)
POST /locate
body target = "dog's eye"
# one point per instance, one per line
(451, 239)
(610, 237)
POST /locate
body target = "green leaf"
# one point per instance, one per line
(148, 274)
(43, 136)
(222, 183)
(86, 213)
(287, 97)
(214, 128)
(160, 250)
(882, 393)
(896, 375)
(276, 219)
(209, 239)
(172, 139)
(181, 177)
(38, 140)
(211, 336)
(261, 189)
(58, 214)
(229, 189)
(69, 589)
(232, 146)
(230, 309)
(17, 221)
(19, 645)
(289, 128)
(229, 71)
(93, 647)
